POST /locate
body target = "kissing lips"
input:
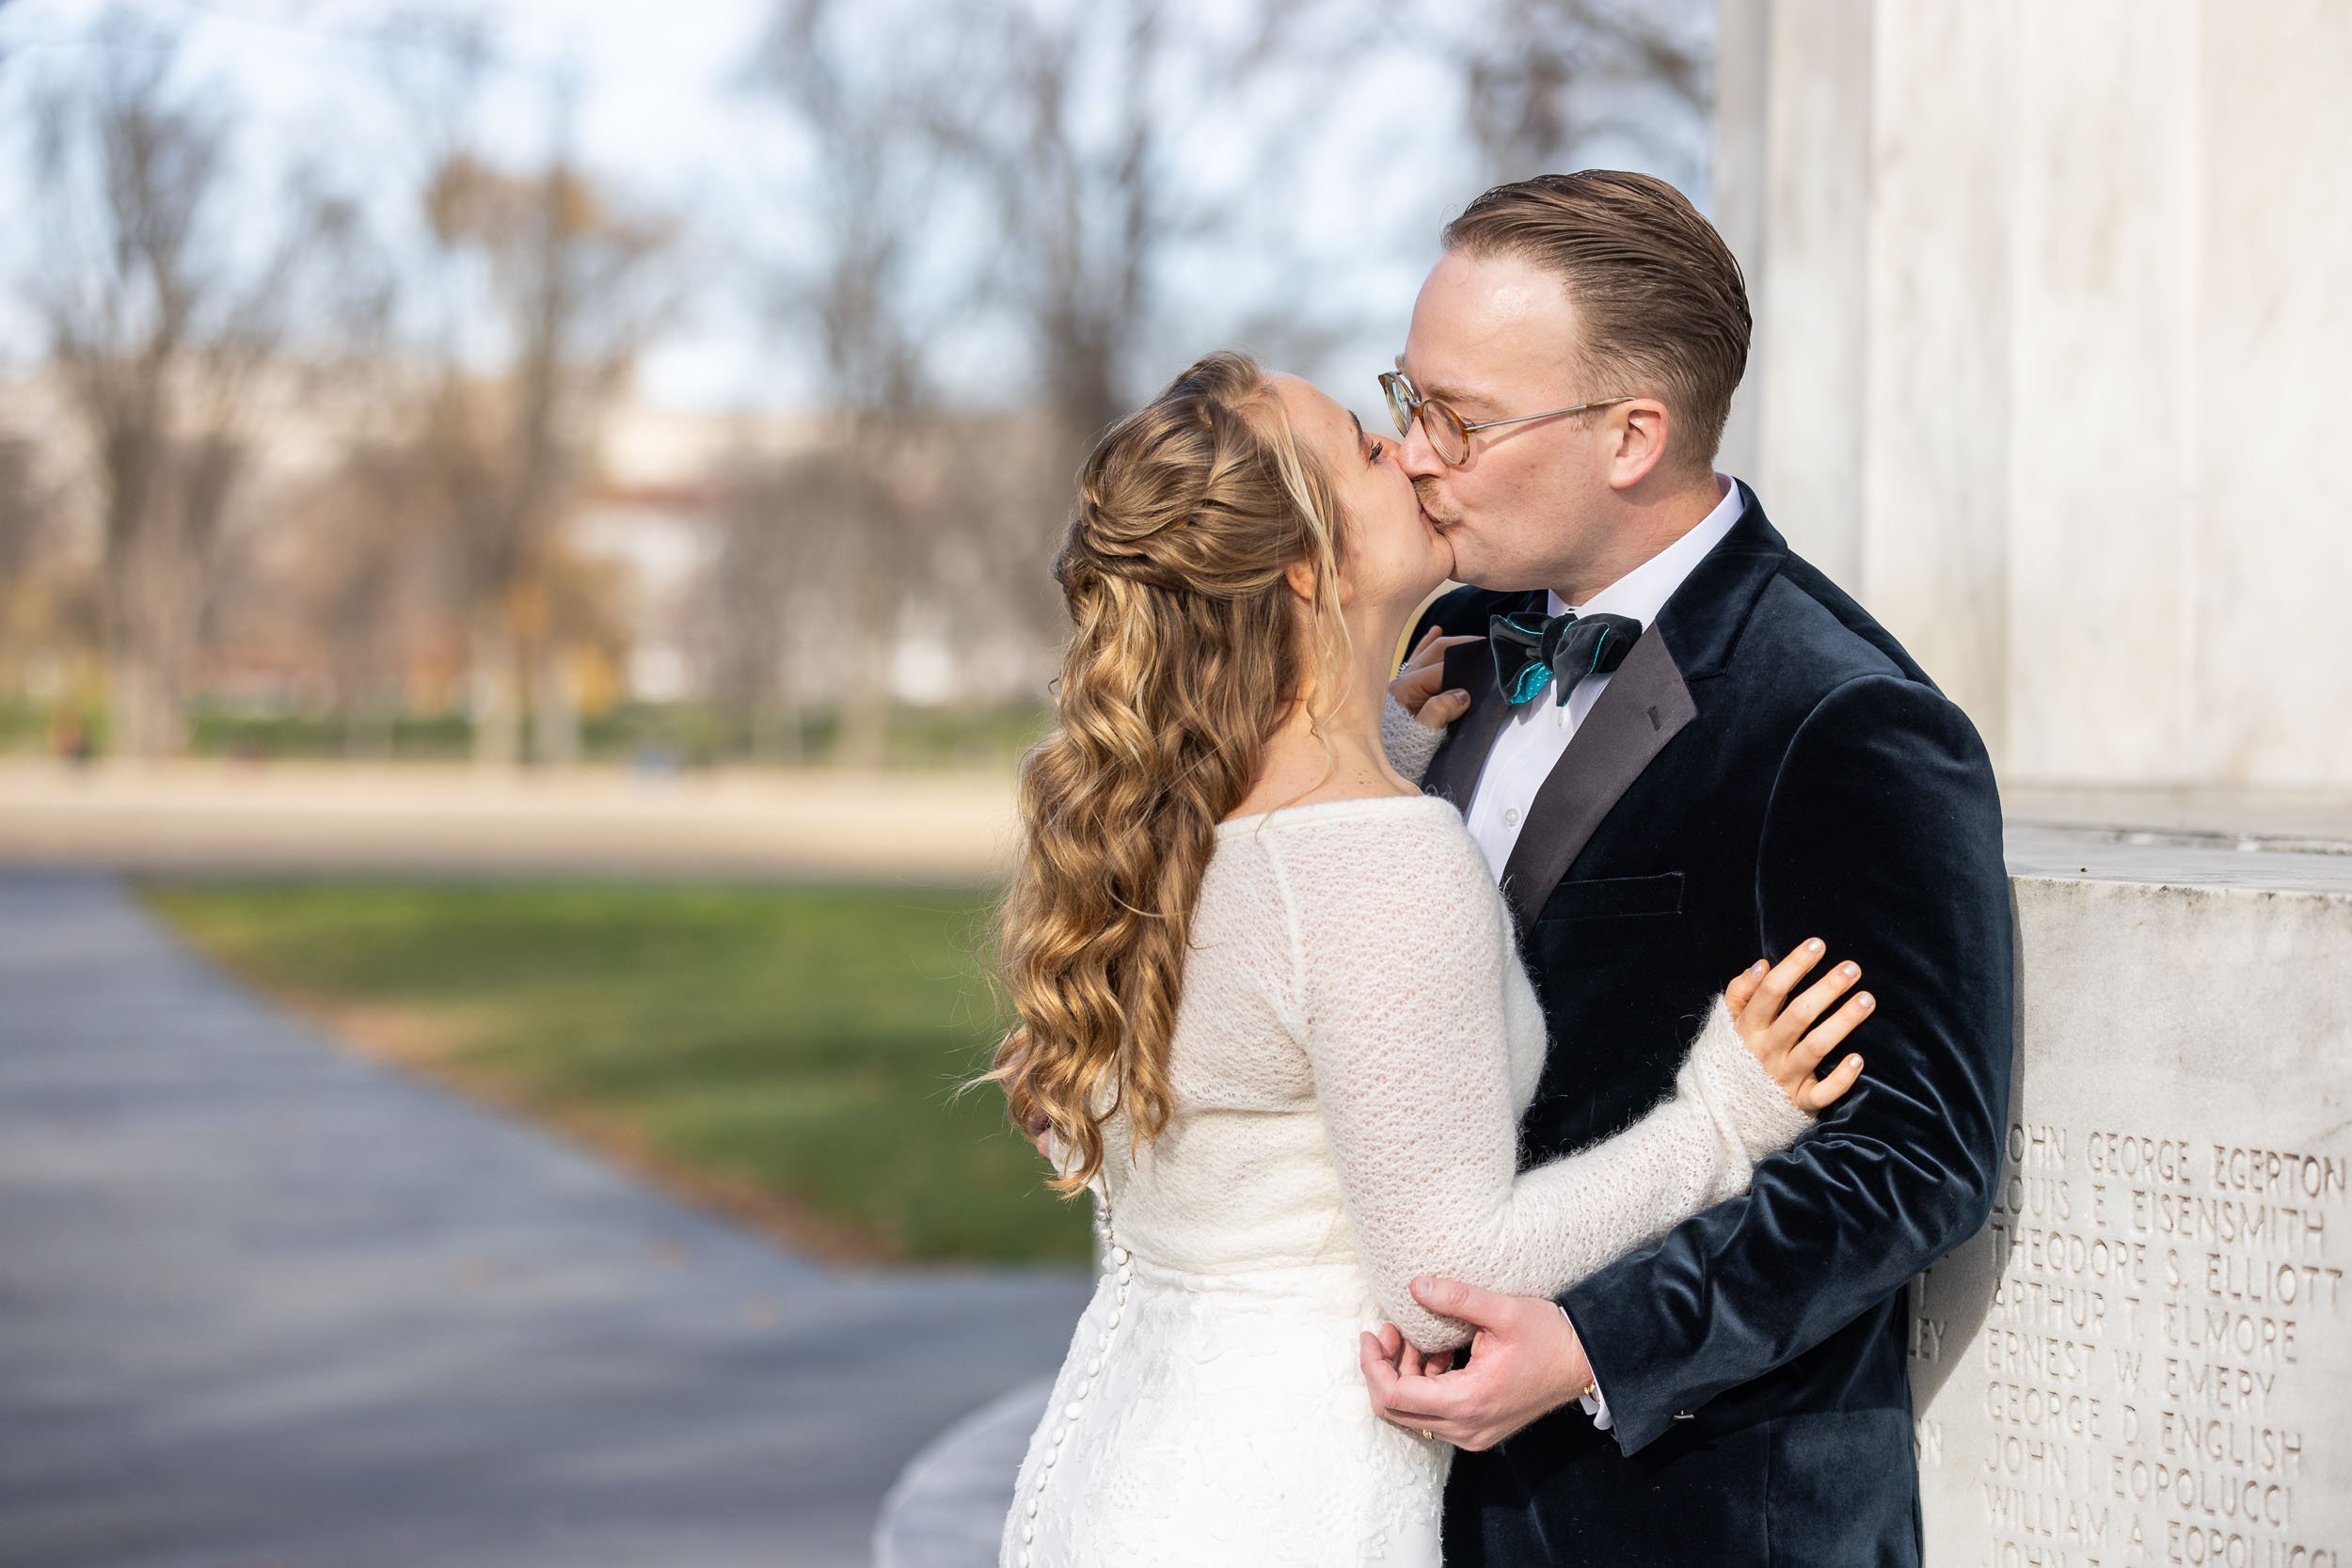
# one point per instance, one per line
(1421, 493)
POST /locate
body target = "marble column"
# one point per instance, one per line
(2050, 357)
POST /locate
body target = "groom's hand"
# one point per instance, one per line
(1525, 1361)
(1419, 687)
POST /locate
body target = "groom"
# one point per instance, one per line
(1765, 766)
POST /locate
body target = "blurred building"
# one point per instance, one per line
(657, 515)
(649, 518)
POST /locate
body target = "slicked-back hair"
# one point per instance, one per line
(1662, 306)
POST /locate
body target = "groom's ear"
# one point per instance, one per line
(1642, 428)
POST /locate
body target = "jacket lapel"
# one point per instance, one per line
(1643, 707)
(1454, 771)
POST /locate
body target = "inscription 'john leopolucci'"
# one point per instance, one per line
(2155, 1377)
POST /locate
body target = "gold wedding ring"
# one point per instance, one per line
(1429, 1434)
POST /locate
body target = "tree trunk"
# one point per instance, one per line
(865, 732)
(497, 715)
(136, 721)
(143, 718)
(866, 683)
(555, 711)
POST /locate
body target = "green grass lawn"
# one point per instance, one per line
(793, 1050)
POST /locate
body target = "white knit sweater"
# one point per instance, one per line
(1353, 1046)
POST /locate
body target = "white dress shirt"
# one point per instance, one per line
(1532, 741)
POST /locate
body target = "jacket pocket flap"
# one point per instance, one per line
(1609, 897)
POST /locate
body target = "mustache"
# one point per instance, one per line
(1427, 490)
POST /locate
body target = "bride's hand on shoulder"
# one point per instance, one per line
(1419, 687)
(1792, 1038)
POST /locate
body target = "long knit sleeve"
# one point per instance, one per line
(1408, 987)
(1410, 743)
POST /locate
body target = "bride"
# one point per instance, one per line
(1269, 1011)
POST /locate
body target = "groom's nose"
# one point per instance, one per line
(1415, 455)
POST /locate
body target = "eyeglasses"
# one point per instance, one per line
(1449, 433)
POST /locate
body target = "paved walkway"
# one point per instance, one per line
(947, 1510)
(264, 1304)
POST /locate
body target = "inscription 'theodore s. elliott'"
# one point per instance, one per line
(2143, 1358)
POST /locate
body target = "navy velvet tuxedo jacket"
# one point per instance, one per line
(1768, 765)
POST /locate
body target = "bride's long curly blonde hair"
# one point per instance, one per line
(1188, 651)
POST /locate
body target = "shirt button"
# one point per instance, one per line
(1511, 816)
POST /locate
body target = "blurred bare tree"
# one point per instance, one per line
(1017, 163)
(835, 516)
(539, 289)
(49, 615)
(162, 314)
(768, 583)
(23, 512)
(25, 530)
(1088, 128)
(575, 297)
(1544, 79)
(371, 588)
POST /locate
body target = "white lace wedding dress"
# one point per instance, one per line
(1354, 1045)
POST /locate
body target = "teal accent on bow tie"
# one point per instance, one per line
(1530, 683)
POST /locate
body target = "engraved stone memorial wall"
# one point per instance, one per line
(2143, 1358)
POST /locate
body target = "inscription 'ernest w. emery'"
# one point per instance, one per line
(2141, 1378)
